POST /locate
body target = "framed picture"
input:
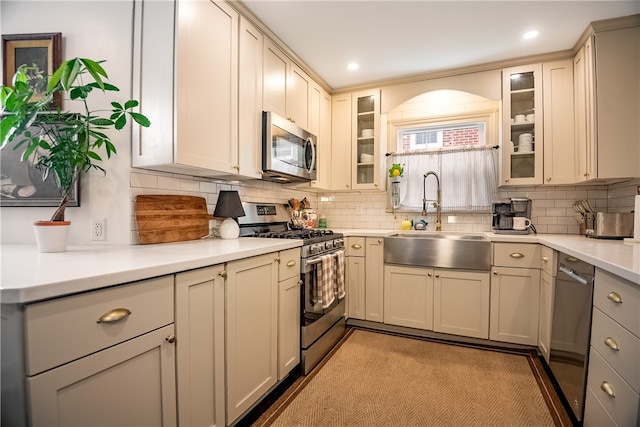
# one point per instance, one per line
(21, 183)
(43, 50)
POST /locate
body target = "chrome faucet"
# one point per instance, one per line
(436, 203)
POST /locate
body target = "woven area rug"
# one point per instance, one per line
(380, 379)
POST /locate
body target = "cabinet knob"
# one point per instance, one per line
(347, 185)
(506, 180)
(171, 339)
(615, 297)
(606, 387)
(437, 275)
(429, 274)
(223, 274)
(495, 272)
(380, 241)
(277, 260)
(375, 184)
(612, 344)
(291, 263)
(545, 259)
(114, 315)
(517, 255)
(549, 179)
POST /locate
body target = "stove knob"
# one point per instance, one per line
(314, 249)
(328, 245)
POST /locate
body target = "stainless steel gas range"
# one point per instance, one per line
(322, 323)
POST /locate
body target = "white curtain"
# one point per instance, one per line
(468, 179)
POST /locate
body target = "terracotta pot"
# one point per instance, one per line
(52, 236)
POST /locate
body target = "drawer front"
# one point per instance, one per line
(516, 255)
(623, 408)
(594, 413)
(619, 347)
(289, 264)
(618, 299)
(355, 246)
(548, 260)
(61, 330)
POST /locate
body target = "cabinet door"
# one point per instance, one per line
(514, 305)
(132, 383)
(200, 333)
(298, 89)
(366, 155)
(320, 125)
(461, 303)
(341, 142)
(275, 70)
(584, 121)
(207, 108)
(374, 276)
(251, 331)
(250, 100)
(408, 296)
(355, 273)
(547, 290)
(288, 325)
(522, 119)
(559, 142)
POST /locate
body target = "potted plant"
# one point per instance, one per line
(395, 173)
(61, 144)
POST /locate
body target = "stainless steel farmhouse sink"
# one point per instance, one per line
(439, 250)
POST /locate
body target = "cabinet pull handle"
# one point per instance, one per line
(516, 255)
(171, 339)
(606, 387)
(572, 259)
(291, 263)
(114, 315)
(223, 274)
(612, 344)
(615, 297)
(356, 246)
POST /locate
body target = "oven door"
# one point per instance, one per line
(289, 152)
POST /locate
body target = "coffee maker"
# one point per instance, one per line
(505, 210)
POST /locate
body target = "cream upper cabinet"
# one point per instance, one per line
(250, 100)
(606, 71)
(559, 141)
(357, 154)
(286, 86)
(522, 148)
(194, 120)
(341, 142)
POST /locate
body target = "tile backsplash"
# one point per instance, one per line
(552, 211)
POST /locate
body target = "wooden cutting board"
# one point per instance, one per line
(167, 218)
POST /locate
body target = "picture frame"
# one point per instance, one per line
(42, 49)
(21, 183)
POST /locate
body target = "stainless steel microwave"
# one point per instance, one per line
(289, 153)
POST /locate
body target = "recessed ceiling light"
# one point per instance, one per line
(530, 34)
(353, 66)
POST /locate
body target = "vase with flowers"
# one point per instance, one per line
(395, 173)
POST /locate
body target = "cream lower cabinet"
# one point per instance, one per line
(101, 358)
(461, 303)
(355, 277)
(289, 313)
(374, 275)
(515, 293)
(251, 332)
(200, 346)
(408, 296)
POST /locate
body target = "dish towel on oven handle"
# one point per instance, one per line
(324, 292)
(339, 279)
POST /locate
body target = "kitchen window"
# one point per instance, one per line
(460, 149)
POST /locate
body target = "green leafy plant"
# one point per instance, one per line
(60, 143)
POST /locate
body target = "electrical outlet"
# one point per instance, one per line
(360, 209)
(98, 228)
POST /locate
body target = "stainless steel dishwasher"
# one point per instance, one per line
(571, 329)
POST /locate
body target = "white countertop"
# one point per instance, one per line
(28, 275)
(616, 256)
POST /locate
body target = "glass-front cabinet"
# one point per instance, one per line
(522, 146)
(366, 156)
